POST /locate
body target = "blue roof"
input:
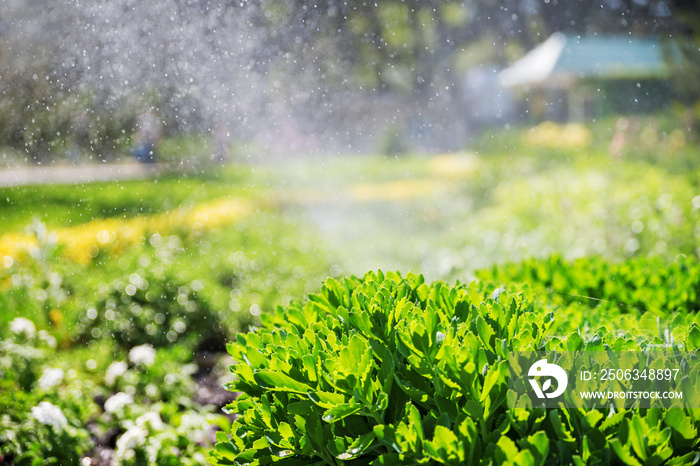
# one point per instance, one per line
(612, 57)
(565, 58)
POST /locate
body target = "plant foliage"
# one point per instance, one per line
(390, 370)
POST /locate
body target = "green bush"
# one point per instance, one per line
(59, 408)
(637, 285)
(41, 421)
(390, 370)
(153, 306)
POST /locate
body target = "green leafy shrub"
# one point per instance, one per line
(153, 306)
(390, 370)
(41, 419)
(165, 436)
(60, 409)
(639, 284)
(48, 435)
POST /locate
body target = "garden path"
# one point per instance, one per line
(87, 173)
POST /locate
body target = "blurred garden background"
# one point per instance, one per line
(172, 171)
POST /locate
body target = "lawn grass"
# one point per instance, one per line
(63, 205)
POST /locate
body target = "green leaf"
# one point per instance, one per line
(414, 393)
(387, 435)
(524, 458)
(326, 400)
(611, 423)
(357, 448)
(685, 460)
(360, 320)
(624, 453)
(540, 442)
(485, 331)
(496, 375)
(507, 450)
(278, 381)
(314, 433)
(592, 418)
(637, 434)
(559, 427)
(414, 420)
(444, 437)
(388, 459)
(574, 342)
(680, 422)
(445, 446)
(226, 449)
(339, 412)
(261, 443)
(693, 340)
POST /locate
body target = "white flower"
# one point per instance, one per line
(144, 354)
(50, 415)
(439, 336)
(22, 326)
(50, 378)
(151, 419)
(115, 370)
(192, 420)
(116, 403)
(135, 436)
(192, 426)
(47, 338)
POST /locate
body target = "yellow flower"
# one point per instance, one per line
(393, 190)
(56, 317)
(454, 165)
(114, 235)
(553, 135)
